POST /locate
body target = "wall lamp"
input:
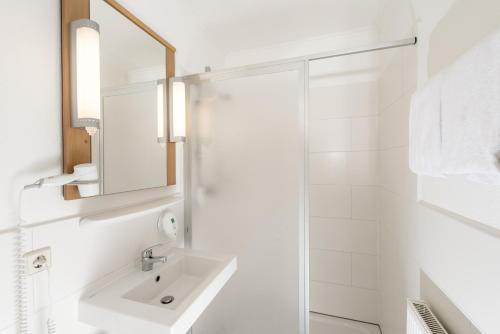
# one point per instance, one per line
(85, 75)
(160, 110)
(177, 110)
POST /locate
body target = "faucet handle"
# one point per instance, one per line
(148, 252)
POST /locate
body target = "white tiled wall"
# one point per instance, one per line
(364, 271)
(337, 271)
(331, 201)
(343, 101)
(330, 135)
(364, 133)
(397, 182)
(344, 301)
(344, 200)
(348, 235)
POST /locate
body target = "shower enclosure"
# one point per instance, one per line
(246, 194)
(247, 159)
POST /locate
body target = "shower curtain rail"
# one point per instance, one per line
(316, 56)
(353, 51)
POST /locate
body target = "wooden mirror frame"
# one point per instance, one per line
(76, 142)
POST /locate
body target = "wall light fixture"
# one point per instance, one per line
(177, 110)
(160, 110)
(85, 75)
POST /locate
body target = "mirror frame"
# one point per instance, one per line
(76, 142)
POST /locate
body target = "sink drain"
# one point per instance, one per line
(167, 299)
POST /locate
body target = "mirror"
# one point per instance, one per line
(130, 147)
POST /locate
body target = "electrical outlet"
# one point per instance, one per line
(37, 260)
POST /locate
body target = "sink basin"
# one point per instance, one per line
(167, 299)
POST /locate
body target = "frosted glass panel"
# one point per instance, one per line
(247, 165)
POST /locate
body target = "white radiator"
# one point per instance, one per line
(421, 320)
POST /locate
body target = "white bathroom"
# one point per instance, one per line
(252, 166)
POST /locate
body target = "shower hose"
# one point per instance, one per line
(21, 303)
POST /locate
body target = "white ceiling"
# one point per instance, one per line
(244, 24)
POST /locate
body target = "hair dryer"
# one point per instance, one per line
(85, 176)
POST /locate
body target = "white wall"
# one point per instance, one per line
(31, 147)
(343, 176)
(334, 41)
(461, 260)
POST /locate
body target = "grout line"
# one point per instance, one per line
(404, 94)
(384, 109)
(344, 117)
(350, 255)
(345, 285)
(345, 318)
(366, 150)
(366, 186)
(344, 151)
(344, 184)
(401, 196)
(344, 251)
(391, 148)
(356, 151)
(350, 200)
(347, 218)
(350, 134)
(348, 185)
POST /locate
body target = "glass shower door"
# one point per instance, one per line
(245, 195)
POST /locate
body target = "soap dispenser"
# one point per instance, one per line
(167, 225)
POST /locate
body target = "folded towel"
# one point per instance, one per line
(470, 114)
(425, 129)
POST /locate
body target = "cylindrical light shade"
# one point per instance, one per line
(85, 75)
(160, 119)
(177, 111)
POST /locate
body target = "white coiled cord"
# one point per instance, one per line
(22, 318)
(51, 324)
(20, 283)
(20, 272)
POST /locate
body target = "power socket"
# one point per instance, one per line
(37, 260)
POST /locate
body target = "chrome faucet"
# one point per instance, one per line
(148, 260)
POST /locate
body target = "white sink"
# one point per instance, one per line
(132, 304)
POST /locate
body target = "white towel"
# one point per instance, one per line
(470, 114)
(425, 129)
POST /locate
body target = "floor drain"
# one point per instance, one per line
(167, 299)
